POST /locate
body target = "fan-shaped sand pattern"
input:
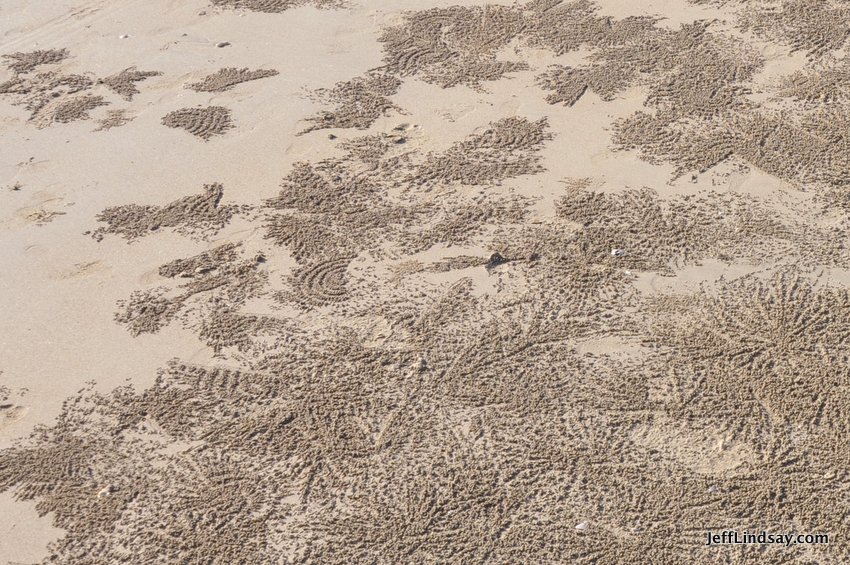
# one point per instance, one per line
(323, 282)
(68, 110)
(200, 122)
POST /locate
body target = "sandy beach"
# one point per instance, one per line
(449, 282)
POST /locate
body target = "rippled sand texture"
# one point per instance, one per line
(543, 282)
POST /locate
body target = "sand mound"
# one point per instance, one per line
(201, 122)
(198, 215)
(229, 77)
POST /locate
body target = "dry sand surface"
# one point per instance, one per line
(433, 281)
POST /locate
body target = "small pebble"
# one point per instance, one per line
(125, 36)
(222, 44)
(331, 136)
(712, 489)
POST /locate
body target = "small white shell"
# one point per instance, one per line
(712, 489)
(581, 526)
(618, 252)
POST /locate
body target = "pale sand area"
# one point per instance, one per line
(471, 372)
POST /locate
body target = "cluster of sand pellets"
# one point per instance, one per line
(467, 378)
(359, 102)
(53, 97)
(455, 45)
(699, 80)
(47, 95)
(227, 78)
(275, 6)
(114, 119)
(201, 122)
(27, 62)
(506, 149)
(340, 207)
(818, 27)
(201, 214)
(219, 275)
(68, 110)
(211, 121)
(827, 85)
(124, 83)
